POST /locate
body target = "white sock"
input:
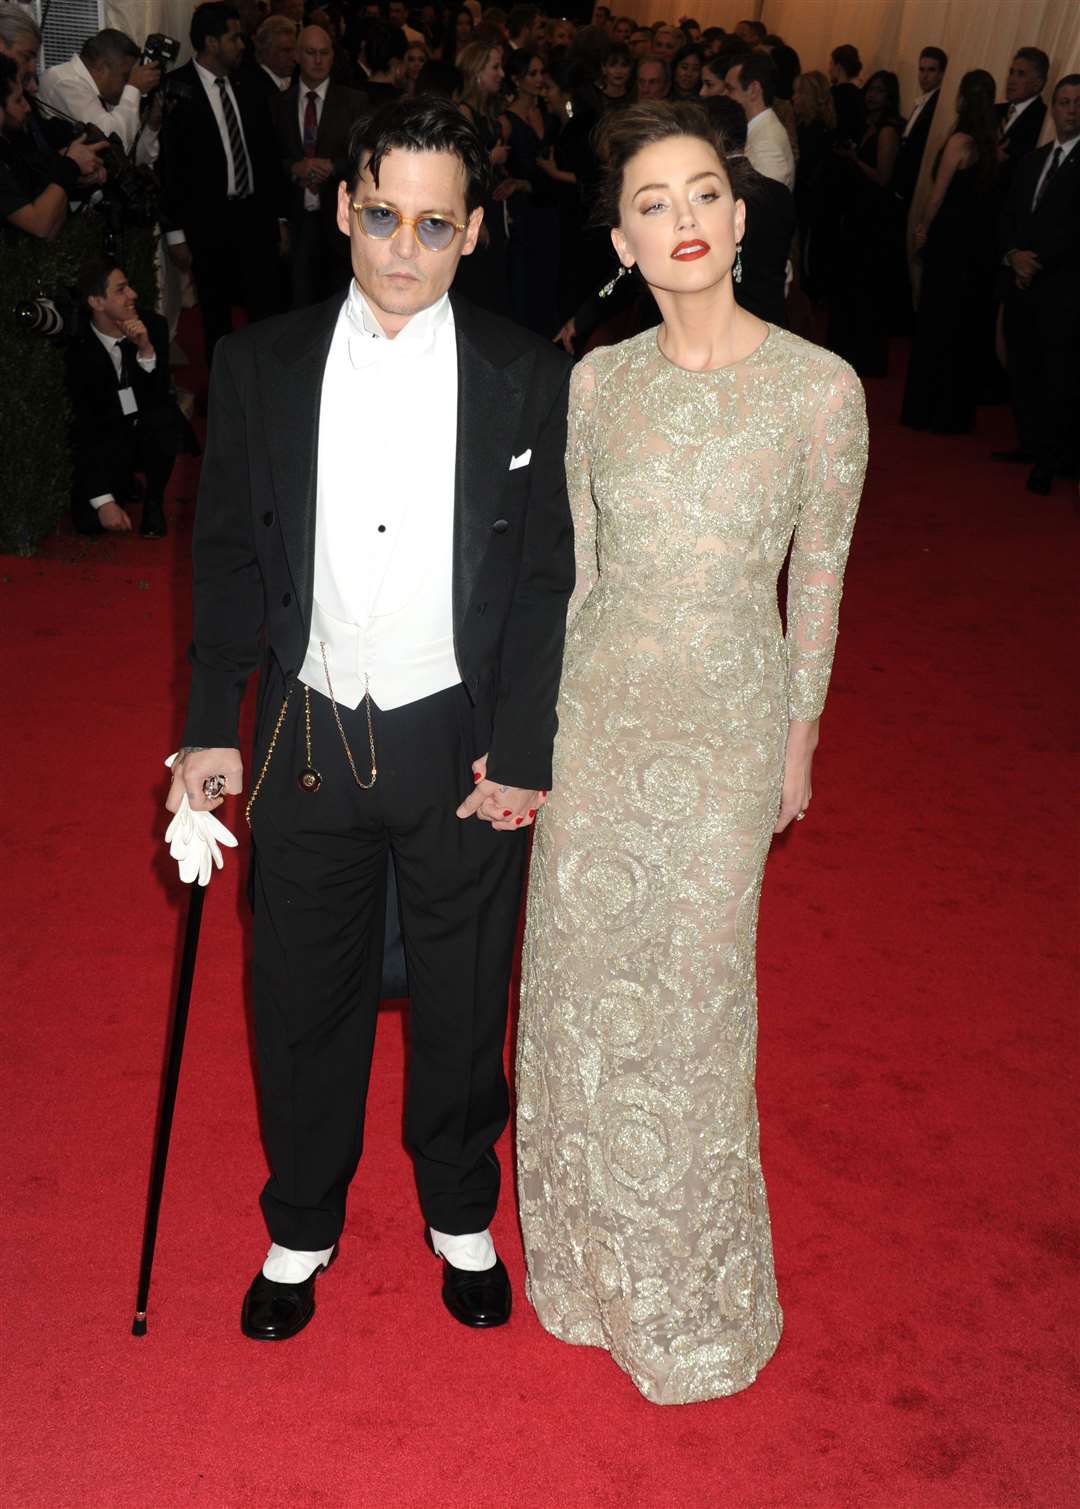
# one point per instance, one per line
(285, 1266)
(475, 1251)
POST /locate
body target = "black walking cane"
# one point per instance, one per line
(168, 1103)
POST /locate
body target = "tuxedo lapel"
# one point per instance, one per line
(291, 392)
(492, 384)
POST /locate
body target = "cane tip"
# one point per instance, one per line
(138, 1325)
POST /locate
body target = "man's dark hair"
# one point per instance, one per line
(210, 20)
(713, 34)
(1070, 81)
(937, 55)
(1037, 58)
(759, 29)
(93, 279)
(110, 47)
(422, 124)
(440, 79)
(847, 58)
(757, 68)
(521, 17)
(384, 44)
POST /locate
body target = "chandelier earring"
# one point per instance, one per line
(736, 271)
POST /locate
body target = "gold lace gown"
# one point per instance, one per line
(642, 1199)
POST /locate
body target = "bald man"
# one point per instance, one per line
(312, 120)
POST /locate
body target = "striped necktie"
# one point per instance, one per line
(241, 171)
(311, 123)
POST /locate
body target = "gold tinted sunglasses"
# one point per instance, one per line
(382, 222)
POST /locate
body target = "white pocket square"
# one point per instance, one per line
(522, 460)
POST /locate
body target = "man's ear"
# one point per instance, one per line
(472, 230)
(344, 207)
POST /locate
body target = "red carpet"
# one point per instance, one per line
(918, 996)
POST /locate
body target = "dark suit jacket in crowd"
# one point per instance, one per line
(193, 167)
(910, 156)
(1023, 136)
(513, 563)
(100, 430)
(341, 108)
(1051, 230)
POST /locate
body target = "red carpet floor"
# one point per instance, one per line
(918, 998)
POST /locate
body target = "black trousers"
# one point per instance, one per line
(1041, 336)
(239, 265)
(144, 443)
(319, 888)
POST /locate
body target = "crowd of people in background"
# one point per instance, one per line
(246, 143)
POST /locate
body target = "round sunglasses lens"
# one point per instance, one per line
(435, 234)
(378, 222)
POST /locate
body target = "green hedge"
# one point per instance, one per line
(35, 459)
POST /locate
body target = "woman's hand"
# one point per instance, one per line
(506, 808)
(798, 758)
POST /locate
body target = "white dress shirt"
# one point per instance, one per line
(1065, 148)
(384, 521)
(768, 148)
(147, 363)
(213, 94)
(311, 201)
(275, 78)
(919, 106)
(69, 88)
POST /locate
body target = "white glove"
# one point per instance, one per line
(194, 840)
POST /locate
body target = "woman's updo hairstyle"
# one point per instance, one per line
(622, 134)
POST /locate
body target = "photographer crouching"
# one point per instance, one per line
(124, 419)
(36, 182)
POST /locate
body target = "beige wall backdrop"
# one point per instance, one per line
(138, 18)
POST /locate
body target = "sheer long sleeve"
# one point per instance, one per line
(832, 486)
(583, 400)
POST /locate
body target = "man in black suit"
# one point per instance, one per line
(272, 65)
(383, 529)
(1041, 239)
(124, 419)
(313, 120)
(1020, 118)
(222, 191)
(932, 65)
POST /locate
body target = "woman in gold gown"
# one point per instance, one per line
(697, 452)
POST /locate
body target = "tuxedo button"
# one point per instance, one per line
(286, 600)
(500, 526)
(268, 517)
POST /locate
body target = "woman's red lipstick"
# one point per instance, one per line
(690, 251)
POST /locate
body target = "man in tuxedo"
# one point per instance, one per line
(223, 196)
(1041, 239)
(124, 419)
(383, 529)
(932, 65)
(1020, 118)
(274, 57)
(312, 121)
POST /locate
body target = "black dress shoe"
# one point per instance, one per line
(1040, 482)
(480, 1300)
(273, 1311)
(1016, 455)
(152, 525)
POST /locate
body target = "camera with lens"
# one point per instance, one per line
(61, 315)
(160, 49)
(132, 188)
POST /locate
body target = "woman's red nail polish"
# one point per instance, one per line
(519, 820)
(506, 812)
(476, 775)
(543, 793)
(532, 811)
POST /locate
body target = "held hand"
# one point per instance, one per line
(506, 808)
(195, 766)
(1025, 264)
(797, 791)
(112, 516)
(85, 156)
(567, 336)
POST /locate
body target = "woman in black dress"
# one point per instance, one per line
(845, 65)
(955, 239)
(484, 277)
(534, 205)
(869, 238)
